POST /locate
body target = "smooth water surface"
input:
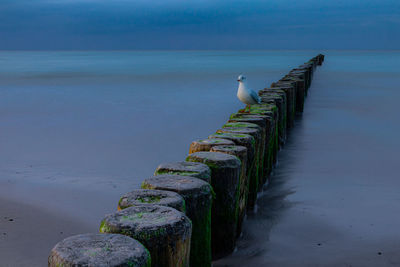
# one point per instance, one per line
(79, 129)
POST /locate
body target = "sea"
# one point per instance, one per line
(80, 128)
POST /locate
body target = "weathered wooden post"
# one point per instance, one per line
(277, 97)
(300, 92)
(270, 110)
(225, 172)
(247, 141)
(99, 250)
(262, 123)
(207, 144)
(241, 153)
(291, 101)
(194, 169)
(267, 122)
(158, 197)
(198, 199)
(164, 231)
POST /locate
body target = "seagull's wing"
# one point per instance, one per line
(255, 96)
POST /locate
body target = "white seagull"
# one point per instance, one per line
(245, 94)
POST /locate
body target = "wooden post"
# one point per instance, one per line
(247, 141)
(225, 173)
(241, 153)
(158, 197)
(164, 231)
(99, 250)
(198, 199)
(194, 169)
(277, 97)
(207, 144)
(291, 101)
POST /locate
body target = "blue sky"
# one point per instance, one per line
(178, 24)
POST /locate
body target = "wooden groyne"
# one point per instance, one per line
(191, 212)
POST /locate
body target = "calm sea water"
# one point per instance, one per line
(78, 129)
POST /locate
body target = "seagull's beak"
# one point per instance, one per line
(238, 80)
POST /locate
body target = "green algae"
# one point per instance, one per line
(173, 172)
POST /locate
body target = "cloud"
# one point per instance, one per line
(127, 24)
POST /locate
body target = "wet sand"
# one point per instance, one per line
(27, 233)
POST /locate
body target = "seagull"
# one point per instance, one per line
(246, 95)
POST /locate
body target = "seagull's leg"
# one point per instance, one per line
(248, 106)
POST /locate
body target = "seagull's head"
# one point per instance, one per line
(241, 78)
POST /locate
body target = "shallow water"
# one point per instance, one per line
(78, 129)
(334, 197)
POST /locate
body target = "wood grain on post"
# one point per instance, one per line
(164, 231)
(99, 250)
(247, 141)
(198, 199)
(291, 101)
(265, 122)
(158, 197)
(207, 144)
(194, 169)
(271, 110)
(300, 93)
(255, 185)
(225, 173)
(277, 97)
(241, 153)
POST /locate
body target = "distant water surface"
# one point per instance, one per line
(78, 129)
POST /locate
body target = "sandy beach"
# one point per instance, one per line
(28, 233)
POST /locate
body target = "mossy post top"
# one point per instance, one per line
(240, 130)
(146, 221)
(215, 159)
(207, 144)
(215, 141)
(250, 119)
(99, 250)
(146, 196)
(184, 185)
(194, 169)
(265, 117)
(241, 124)
(233, 150)
(236, 137)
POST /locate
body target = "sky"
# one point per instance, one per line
(195, 24)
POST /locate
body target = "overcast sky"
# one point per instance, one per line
(195, 24)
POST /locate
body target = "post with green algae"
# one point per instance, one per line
(164, 231)
(291, 101)
(300, 91)
(277, 98)
(99, 250)
(247, 141)
(198, 199)
(207, 144)
(270, 110)
(194, 169)
(302, 74)
(158, 197)
(225, 173)
(255, 131)
(254, 122)
(241, 153)
(266, 123)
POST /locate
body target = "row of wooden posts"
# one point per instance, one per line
(191, 212)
